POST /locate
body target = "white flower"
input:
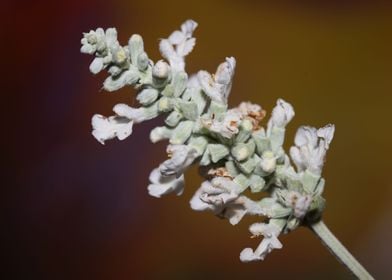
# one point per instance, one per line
(182, 156)
(214, 194)
(218, 86)
(121, 124)
(269, 242)
(179, 44)
(218, 196)
(281, 114)
(310, 147)
(109, 128)
(161, 184)
(222, 196)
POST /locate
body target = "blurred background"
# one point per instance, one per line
(74, 209)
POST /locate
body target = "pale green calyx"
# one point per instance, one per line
(237, 151)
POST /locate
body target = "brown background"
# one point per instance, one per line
(78, 210)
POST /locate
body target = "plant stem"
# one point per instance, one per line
(338, 250)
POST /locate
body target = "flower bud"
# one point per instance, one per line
(160, 73)
(268, 162)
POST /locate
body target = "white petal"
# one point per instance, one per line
(186, 47)
(108, 128)
(224, 77)
(161, 185)
(225, 71)
(197, 204)
(176, 37)
(182, 157)
(188, 27)
(166, 49)
(207, 84)
(306, 135)
(264, 248)
(247, 255)
(123, 131)
(101, 128)
(297, 158)
(281, 114)
(327, 132)
(235, 213)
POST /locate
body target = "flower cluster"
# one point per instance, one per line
(235, 152)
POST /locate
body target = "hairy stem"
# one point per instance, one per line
(338, 250)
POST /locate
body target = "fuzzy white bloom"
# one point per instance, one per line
(218, 86)
(111, 127)
(269, 242)
(222, 196)
(161, 184)
(182, 156)
(179, 44)
(310, 147)
(282, 114)
(215, 194)
(119, 126)
(236, 154)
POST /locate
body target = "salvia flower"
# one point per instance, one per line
(218, 86)
(236, 150)
(269, 242)
(179, 44)
(310, 148)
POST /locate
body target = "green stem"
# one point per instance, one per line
(338, 250)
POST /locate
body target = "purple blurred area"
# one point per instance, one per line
(74, 209)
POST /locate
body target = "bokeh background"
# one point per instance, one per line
(75, 209)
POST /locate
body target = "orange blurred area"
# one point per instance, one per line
(78, 210)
